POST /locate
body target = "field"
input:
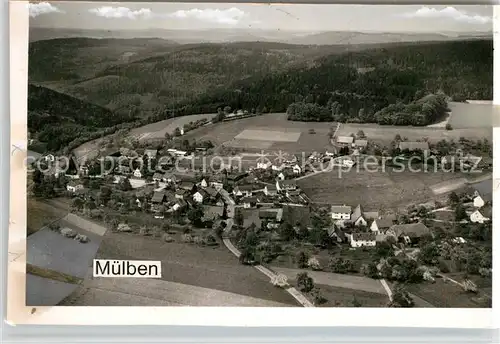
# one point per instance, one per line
(147, 132)
(373, 190)
(40, 214)
(157, 130)
(384, 134)
(269, 131)
(446, 295)
(213, 268)
(471, 115)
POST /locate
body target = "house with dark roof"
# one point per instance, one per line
(357, 218)
(158, 177)
(249, 202)
(483, 193)
(270, 190)
(200, 196)
(158, 197)
(361, 144)
(186, 186)
(337, 233)
(381, 225)
(411, 232)
(244, 190)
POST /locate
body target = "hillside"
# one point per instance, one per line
(56, 119)
(369, 80)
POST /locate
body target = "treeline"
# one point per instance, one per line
(423, 111)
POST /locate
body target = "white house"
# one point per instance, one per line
(297, 169)
(363, 239)
(198, 197)
(264, 165)
(477, 217)
(49, 158)
(243, 190)
(203, 183)
(281, 176)
(347, 162)
(480, 201)
(138, 203)
(74, 186)
(345, 140)
(341, 212)
(286, 185)
(137, 173)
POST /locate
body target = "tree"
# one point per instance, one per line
(429, 254)
(448, 126)
(77, 203)
(302, 258)
(361, 134)
(370, 270)
(195, 215)
(453, 198)
(304, 282)
(125, 184)
(401, 298)
(460, 213)
(356, 303)
(239, 218)
(177, 131)
(227, 110)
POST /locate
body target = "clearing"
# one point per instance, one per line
(40, 214)
(471, 115)
(373, 190)
(384, 134)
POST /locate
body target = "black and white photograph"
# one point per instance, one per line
(259, 155)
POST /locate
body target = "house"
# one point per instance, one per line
(151, 153)
(277, 167)
(216, 184)
(158, 177)
(137, 173)
(412, 231)
(49, 158)
(357, 217)
(270, 190)
(381, 225)
(169, 177)
(286, 185)
(186, 186)
(204, 183)
(180, 194)
(249, 202)
(212, 213)
(296, 169)
(235, 177)
(341, 212)
(243, 190)
(200, 196)
(413, 146)
(281, 176)
(337, 233)
(360, 144)
(158, 197)
(345, 140)
(273, 216)
(483, 192)
(264, 165)
(176, 152)
(477, 217)
(363, 239)
(74, 186)
(212, 192)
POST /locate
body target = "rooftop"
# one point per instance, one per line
(343, 209)
(345, 139)
(412, 229)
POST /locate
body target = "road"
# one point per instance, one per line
(229, 245)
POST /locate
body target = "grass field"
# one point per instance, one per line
(213, 268)
(384, 134)
(276, 133)
(446, 295)
(40, 214)
(471, 115)
(373, 190)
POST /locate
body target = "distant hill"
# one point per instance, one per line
(57, 119)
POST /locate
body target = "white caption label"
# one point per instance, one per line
(126, 268)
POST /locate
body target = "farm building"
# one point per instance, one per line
(286, 185)
(270, 190)
(360, 144)
(483, 193)
(151, 153)
(412, 231)
(345, 140)
(381, 225)
(249, 202)
(477, 217)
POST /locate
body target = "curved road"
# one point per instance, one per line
(229, 245)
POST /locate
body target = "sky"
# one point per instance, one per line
(286, 17)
